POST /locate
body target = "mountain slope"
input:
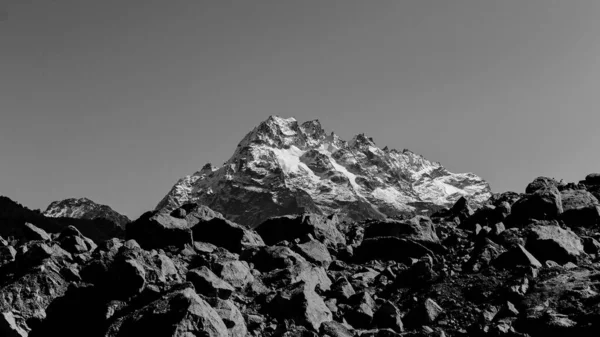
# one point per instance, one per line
(83, 208)
(284, 167)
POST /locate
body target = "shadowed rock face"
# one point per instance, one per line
(283, 167)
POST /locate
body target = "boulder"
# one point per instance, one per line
(399, 240)
(32, 292)
(460, 211)
(575, 199)
(342, 289)
(541, 183)
(314, 252)
(231, 316)
(313, 276)
(488, 215)
(235, 272)
(590, 245)
(71, 240)
(159, 230)
(7, 254)
(300, 303)
(269, 258)
(550, 242)
(581, 208)
(31, 232)
(390, 248)
(592, 179)
(209, 284)
(543, 204)
(419, 229)
(555, 305)
(424, 314)
(130, 277)
(517, 256)
(362, 310)
(37, 252)
(483, 254)
(388, 316)
(210, 226)
(291, 227)
(335, 329)
(178, 313)
(509, 197)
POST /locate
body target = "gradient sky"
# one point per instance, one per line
(115, 100)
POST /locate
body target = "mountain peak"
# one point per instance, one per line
(283, 167)
(83, 208)
(362, 140)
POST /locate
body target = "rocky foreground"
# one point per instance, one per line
(521, 265)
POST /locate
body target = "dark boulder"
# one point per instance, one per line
(268, 258)
(7, 254)
(314, 252)
(291, 227)
(541, 183)
(508, 197)
(388, 316)
(130, 277)
(550, 242)
(209, 284)
(487, 215)
(460, 211)
(71, 240)
(235, 272)
(300, 303)
(399, 240)
(231, 316)
(313, 276)
(581, 208)
(592, 179)
(590, 245)
(390, 248)
(362, 310)
(159, 230)
(420, 229)
(342, 289)
(424, 314)
(515, 257)
(543, 204)
(210, 226)
(483, 254)
(575, 199)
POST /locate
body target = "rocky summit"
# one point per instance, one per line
(514, 265)
(84, 208)
(284, 167)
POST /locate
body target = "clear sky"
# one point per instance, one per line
(115, 100)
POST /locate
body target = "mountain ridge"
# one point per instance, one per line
(84, 208)
(284, 167)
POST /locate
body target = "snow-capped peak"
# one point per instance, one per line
(283, 167)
